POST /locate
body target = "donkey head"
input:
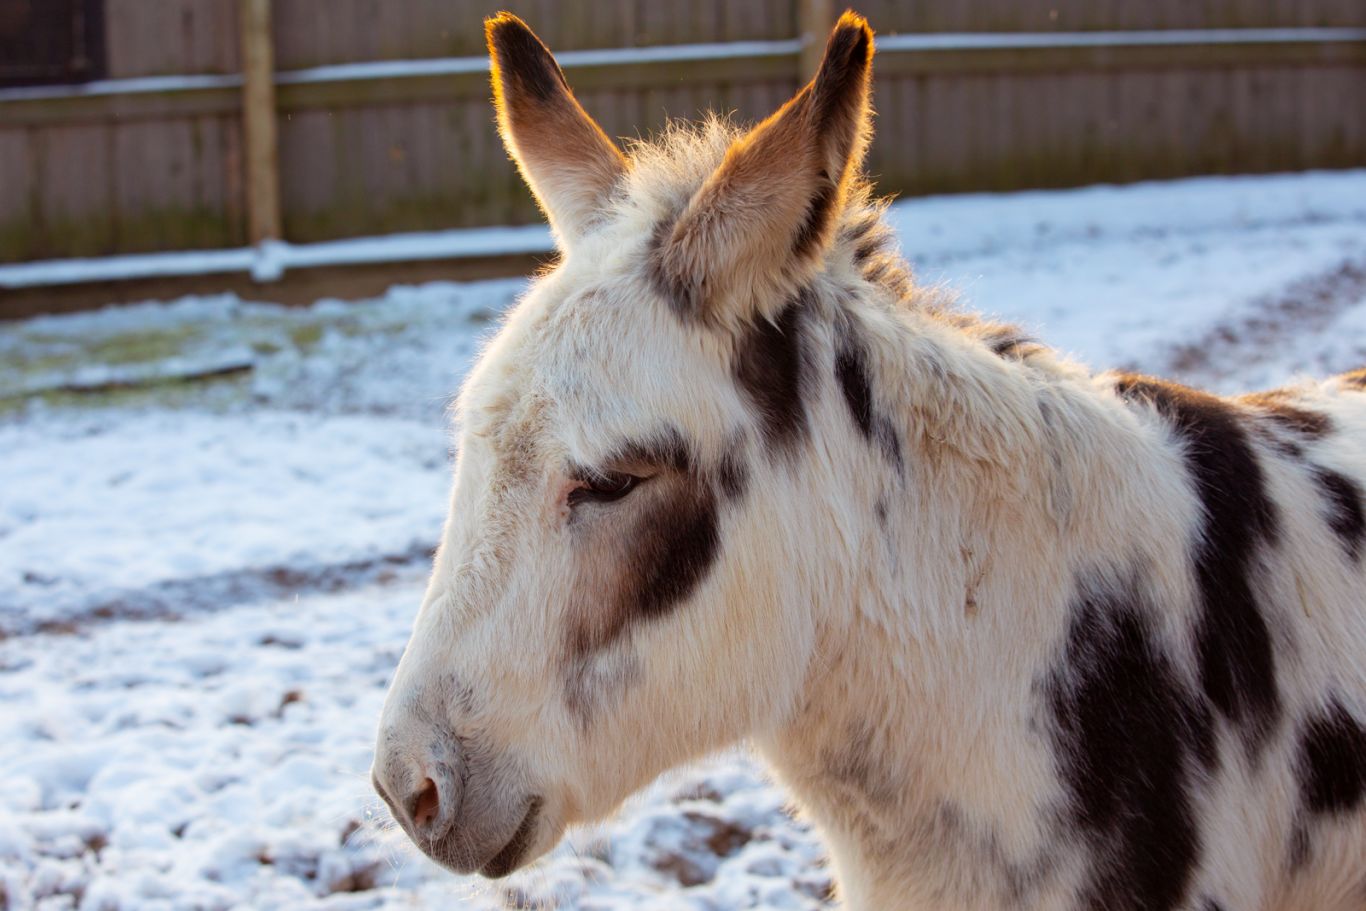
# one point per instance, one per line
(644, 509)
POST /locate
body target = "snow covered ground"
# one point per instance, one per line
(215, 514)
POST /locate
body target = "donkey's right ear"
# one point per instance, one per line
(566, 159)
(763, 220)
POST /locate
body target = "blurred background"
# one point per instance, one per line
(140, 126)
(249, 249)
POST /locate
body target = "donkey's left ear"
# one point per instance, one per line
(766, 215)
(564, 156)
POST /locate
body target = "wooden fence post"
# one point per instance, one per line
(815, 19)
(262, 157)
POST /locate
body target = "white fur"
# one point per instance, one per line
(920, 645)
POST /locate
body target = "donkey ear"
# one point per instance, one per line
(563, 155)
(767, 213)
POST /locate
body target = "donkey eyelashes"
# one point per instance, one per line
(603, 487)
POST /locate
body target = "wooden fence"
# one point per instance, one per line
(382, 120)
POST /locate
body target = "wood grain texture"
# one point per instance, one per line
(95, 173)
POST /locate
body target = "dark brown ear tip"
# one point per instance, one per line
(521, 56)
(501, 20)
(845, 69)
(506, 33)
(848, 19)
(851, 39)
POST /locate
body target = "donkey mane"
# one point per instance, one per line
(668, 168)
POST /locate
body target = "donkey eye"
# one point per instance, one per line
(604, 488)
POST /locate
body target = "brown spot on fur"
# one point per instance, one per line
(1346, 514)
(819, 213)
(1355, 379)
(640, 557)
(1332, 761)
(1276, 407)
(1010, 343)
(770, 367)
(854, 375)
(854, 767)
(863, 234)
(1234, 643)
(1301, 848)
(683, 289)
(1278, 439)
(593, 679)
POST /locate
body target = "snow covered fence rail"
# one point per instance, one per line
(659, 65)
(270, 260)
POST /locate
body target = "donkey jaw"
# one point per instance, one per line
(518, 849)
(519, 841)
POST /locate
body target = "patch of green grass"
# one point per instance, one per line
(130, 348)
(158, 392)
(306, 336)
(34, 352)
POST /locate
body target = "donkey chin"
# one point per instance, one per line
(468, 815)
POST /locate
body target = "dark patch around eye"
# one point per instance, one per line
(1233, 641)
(672, 542)
(674, 550)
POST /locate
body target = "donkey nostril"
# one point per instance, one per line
(426, 805)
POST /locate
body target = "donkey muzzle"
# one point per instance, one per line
(456, 810)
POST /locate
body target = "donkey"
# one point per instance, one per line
(1014, 634)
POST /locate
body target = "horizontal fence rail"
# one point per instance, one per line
(358, 84)
(155, 162)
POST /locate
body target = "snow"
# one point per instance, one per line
(215, 516)
(447, 66)
(229, 498)
(119, 268)
(1117, 275)
(132, 86)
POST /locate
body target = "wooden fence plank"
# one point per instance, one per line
(814, 22)
(259, 121)
(361, 155)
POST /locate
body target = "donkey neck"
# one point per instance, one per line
(964, 567)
